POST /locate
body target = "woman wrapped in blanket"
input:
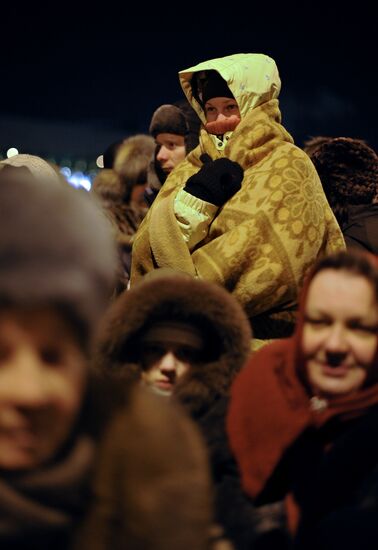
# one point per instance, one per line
(246, 208)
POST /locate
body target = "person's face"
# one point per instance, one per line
(137, 194)
(167, 354)
(42, 382)
(164, 364)
(221, 108)
(340, 332)
(171, 151)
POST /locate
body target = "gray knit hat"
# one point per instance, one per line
(56, 248)
(40, 169)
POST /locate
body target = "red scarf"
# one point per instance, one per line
(270, 408)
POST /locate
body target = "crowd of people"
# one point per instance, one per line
(189, 352)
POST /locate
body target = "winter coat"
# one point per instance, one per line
(361, 231)
(203, 391)
(261, 242)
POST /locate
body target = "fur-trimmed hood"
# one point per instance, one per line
(177, 296)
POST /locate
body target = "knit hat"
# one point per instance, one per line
(209, 85)
(348, 170)
(168, 119)
(41, 169)
(56, 248)
(178, 118)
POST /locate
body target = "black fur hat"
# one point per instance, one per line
(348, 170)
(56, 248)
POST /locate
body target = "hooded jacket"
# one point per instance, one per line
(261, 242)
(203, 391)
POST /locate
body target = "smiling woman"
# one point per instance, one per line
(316, 397)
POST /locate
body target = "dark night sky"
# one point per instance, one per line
(109, 79)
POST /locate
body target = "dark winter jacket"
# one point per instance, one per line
(361, 231)
(204, 390)
(338, 490)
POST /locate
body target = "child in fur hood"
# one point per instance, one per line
(185, 339)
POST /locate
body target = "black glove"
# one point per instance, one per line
(217, 180)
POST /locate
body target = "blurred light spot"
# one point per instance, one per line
(66, 171)
(12, 152)
(78, 179)
(100, 161)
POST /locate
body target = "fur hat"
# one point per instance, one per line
(171, 295)
(178, 118)
(312, 144)
(56, 248)
(348, 170)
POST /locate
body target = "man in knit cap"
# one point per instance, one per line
(175, 129)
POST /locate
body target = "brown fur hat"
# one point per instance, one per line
(313, 143)
(132, 161)
(348, 170)
(171, 295)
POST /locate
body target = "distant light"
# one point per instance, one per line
(66, 171)
(12, 152)
(100, 161)
(78, 179)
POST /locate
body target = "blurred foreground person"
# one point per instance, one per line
(57, 272)
(57, 268)
(152, 487)
(303, 417)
